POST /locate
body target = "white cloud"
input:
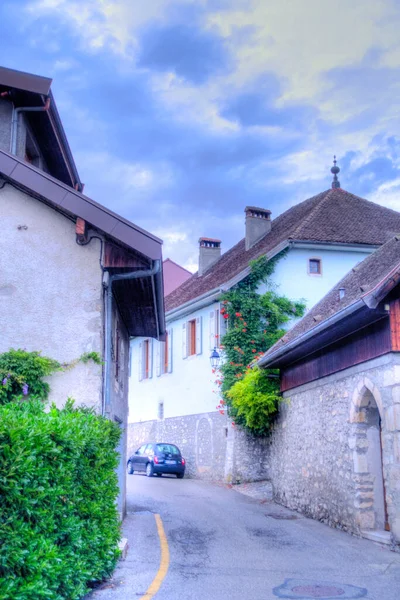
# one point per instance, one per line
(388, 194)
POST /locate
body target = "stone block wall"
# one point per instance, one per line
(320, 448)
(212, 447)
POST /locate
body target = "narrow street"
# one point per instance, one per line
(224, 545)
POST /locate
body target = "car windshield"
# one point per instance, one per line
(167, 449)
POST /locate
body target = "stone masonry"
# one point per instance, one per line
(321, 456)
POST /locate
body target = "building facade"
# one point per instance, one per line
(334, 453)
(75, 278)
(172, 385)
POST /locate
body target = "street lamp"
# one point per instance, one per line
(214, 358)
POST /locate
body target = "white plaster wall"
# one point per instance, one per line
(292, 279)
(50, 293)
(189, 389)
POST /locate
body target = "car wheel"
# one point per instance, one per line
(180, 475)
(130, 468)
(149, 470)
(158, 474)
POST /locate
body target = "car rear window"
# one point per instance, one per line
(167, 449)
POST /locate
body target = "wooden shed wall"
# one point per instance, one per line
(365, 344)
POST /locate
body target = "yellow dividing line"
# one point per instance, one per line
(164, 562)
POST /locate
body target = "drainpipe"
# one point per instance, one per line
(108, 320)
(14, 122)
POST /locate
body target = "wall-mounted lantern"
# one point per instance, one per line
(214, 358)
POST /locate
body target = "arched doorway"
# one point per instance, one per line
(368, 461)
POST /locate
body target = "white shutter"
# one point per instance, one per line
(140, 361)
(184, 340)
(169, 342)
(212, 330)
(159, 354)
(198, 335)
(150, 359)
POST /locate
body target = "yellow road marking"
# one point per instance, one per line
(164, 562)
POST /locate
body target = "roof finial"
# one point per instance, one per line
(335, 170)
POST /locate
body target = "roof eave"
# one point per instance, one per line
(273, 359)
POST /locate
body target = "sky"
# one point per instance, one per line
(180, 113)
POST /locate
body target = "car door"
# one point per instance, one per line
(148, 455)
(137, 459)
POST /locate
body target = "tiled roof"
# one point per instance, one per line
(332, 216)
(363, 279)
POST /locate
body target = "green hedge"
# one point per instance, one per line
(59, 525)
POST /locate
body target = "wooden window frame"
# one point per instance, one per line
(316, 259)
(192, 337)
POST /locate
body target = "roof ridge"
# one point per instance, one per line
(311, 214)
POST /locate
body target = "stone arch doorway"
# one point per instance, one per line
(368, 459)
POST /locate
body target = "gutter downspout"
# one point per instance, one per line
(14, 122)
(108, 321)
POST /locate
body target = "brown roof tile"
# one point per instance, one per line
(333, 216)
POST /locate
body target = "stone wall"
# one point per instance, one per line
(212, 447)
(323, 455)
(201, 439)
(320, 451)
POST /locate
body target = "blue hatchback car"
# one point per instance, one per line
(157, 459)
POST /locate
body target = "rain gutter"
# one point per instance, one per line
(108, 283)
(14, 122)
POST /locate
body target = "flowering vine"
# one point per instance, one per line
(255, 316)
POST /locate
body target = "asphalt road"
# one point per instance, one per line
(224, 545)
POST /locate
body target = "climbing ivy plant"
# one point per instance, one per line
(255, 320)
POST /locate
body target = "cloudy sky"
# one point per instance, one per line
(181, 112)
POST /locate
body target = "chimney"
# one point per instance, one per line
(209, 253)
(258, 223)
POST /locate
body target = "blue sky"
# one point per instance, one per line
(182, 112)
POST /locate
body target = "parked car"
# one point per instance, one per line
(156, 459)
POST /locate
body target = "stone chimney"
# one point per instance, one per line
(209, 253)
(258, 223)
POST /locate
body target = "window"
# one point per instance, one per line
(164, 355)
(146, 359)
(191, 337)
(218, 327)
(314, 266)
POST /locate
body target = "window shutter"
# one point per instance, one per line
(150, 359)
(169, 342)
(184, 340)
(159, 354)
(212, 330)
(198, 335)
(140, 361)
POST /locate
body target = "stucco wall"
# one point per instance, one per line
(318, 450)
(50, 293)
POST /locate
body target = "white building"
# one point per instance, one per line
(172, 388)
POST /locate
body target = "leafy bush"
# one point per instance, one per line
(255, 401)
(59, 525)
(22, 373)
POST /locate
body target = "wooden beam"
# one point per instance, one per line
(81, 231)
(395, 324)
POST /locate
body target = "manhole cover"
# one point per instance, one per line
(306, 589)
(318, 591)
